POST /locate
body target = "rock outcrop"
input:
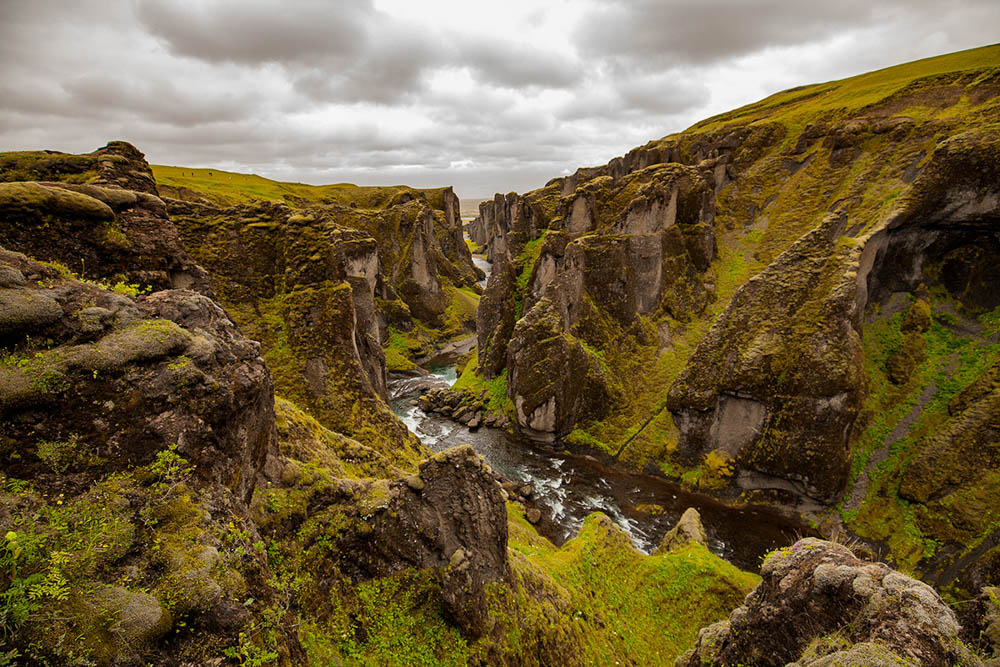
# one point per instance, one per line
(129, 377)
(819, 605)
(688, 529)
(541, 357)
(321, 284)
(448, 518)
(143, 424)
(105, 223)
(586, 257)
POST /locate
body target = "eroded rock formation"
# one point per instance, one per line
(819, 605)
(111, 227)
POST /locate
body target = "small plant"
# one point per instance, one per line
(180, 362)
(54, 585)
(168, 470)
(249, 654)
(59, 455)
(127, 289)
(16, 606)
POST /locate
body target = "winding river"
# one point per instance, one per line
(567, 488)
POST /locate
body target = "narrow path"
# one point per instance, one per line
(635, 435)
(902, 429)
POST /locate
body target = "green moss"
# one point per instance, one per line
(952, 361)
(527, 259)
(52, 201)
(631, 608)
(399, 350)
(495, 390)
(404, 624)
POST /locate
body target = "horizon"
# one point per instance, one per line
(480, 98)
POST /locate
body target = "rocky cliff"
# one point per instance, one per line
(158, 505)
(788, 302)
(96, 214)
(326, 284)
(820, 605)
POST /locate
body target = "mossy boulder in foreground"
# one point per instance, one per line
(820, 605)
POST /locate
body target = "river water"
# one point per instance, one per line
(567, 488)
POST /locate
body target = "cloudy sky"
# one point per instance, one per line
(486, 96)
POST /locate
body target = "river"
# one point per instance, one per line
(567, 487)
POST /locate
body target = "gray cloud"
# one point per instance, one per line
(349, 91)
(497, 62)
(249, 32)
(159, 101)
(649, 34)
(694, 31)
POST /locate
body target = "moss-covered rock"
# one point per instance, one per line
(112, 228)
(819, 605)
(541, 357)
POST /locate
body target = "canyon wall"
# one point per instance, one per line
(739, 305)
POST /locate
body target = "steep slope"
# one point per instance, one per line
(727, 305)
(338, 283)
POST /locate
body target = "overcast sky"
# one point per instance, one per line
(485, 96)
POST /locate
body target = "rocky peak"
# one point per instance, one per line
(113, 227)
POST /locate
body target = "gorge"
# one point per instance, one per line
(252, 422)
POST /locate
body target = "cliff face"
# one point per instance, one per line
(324, 284)
(743, 289)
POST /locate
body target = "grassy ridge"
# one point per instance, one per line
(228, 188)
(809, 103)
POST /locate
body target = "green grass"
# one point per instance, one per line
(639, 609)
(471, 382)
(800, 106)
(228, 188)
(526, 260)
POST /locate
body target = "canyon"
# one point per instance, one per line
(731, 398)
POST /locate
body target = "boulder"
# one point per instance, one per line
(139, 618)
(114, 228)
(818, 604)
(130, 377)
(687, 529)
(451, 517)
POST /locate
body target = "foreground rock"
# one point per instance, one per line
(96, 214)
(134, 433)
(123, 378)
(820, 605)
(448, 519)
